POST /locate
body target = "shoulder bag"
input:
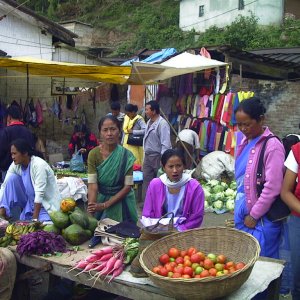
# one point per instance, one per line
(135, 140)
(278, 210)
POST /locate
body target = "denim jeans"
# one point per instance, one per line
(294, 236)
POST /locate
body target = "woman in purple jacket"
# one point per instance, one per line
(176, 192)
(250, 210)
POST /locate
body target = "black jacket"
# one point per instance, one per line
(9, 134)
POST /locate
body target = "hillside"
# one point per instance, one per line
(127, 25)
(131, 25)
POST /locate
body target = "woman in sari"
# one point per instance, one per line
(135, 124)
(250, 209)
(110, 180)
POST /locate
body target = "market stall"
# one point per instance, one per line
(134, 288)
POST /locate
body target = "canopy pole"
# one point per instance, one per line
(174, 131)
(27, 80)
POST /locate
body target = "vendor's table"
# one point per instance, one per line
(59, 265)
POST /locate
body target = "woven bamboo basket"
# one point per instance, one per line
(236, 245)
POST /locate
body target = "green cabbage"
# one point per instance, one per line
(233, 185)
(219, 196)
(229, 192)
(217, 189)
(206, 205)
(218, 204)
(230, 204)
(224, 185)
(213, 182)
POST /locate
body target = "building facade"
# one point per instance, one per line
(202, 14)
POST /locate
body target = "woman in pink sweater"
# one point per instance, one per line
(250, 209)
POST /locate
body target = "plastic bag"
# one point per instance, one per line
(76, 163)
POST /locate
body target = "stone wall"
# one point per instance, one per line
(281, 99)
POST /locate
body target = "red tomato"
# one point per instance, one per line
(163, 272)
(195, 258)
(212, 272)
(179, 260)
(239, 265)
(183, 253)
(188, 271)
(155, 270)
(231, 270)
(202, 255)
(186, 257)
(178, 270)
(186, 276)
(208, 264)
(164, 259)
(229, 265)
(204, 273)
(173, 264)
(176, 275)
(221, 259)
(187, 263)
(173, 252)
(168, 267)
(191, 251)
(197, 276)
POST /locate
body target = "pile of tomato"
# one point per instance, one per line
(192, 263)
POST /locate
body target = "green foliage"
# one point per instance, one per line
(154, 24)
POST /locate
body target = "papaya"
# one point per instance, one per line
(75, 235)
(88, 232)
(79, 217)
(67, 204)
(59, 219)
(51, 228)
(93, 223)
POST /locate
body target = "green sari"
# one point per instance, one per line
(111, 176)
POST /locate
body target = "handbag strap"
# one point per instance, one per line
(171, 223)
(259, 184)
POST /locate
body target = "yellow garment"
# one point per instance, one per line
(137, 151)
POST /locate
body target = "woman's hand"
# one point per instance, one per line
(250, 221)
(94, 207)
(130, 131)
(82, 150)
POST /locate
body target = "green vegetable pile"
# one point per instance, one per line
(131, 249)
(67, 172)
(219, 196)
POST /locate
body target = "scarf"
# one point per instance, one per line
(175, 185)
(129, 123)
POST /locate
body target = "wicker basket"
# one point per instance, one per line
(234, 244)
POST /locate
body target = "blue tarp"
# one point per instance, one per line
(154, 58)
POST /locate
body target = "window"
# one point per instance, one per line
(201, 10)
(241, 4)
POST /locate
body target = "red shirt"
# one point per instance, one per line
(296, 152)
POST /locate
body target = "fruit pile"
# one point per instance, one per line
(74, 224)
(192, 263)
(14, 232)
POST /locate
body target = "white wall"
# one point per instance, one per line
(66, 54)
(223, 12)
(19, 38)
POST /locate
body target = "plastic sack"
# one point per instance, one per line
(76, 163)
(214, 165)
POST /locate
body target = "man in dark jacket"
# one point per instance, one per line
(15, 129)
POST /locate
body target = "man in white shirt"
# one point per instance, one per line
(191, 141)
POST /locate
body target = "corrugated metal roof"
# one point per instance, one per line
(288, 55)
